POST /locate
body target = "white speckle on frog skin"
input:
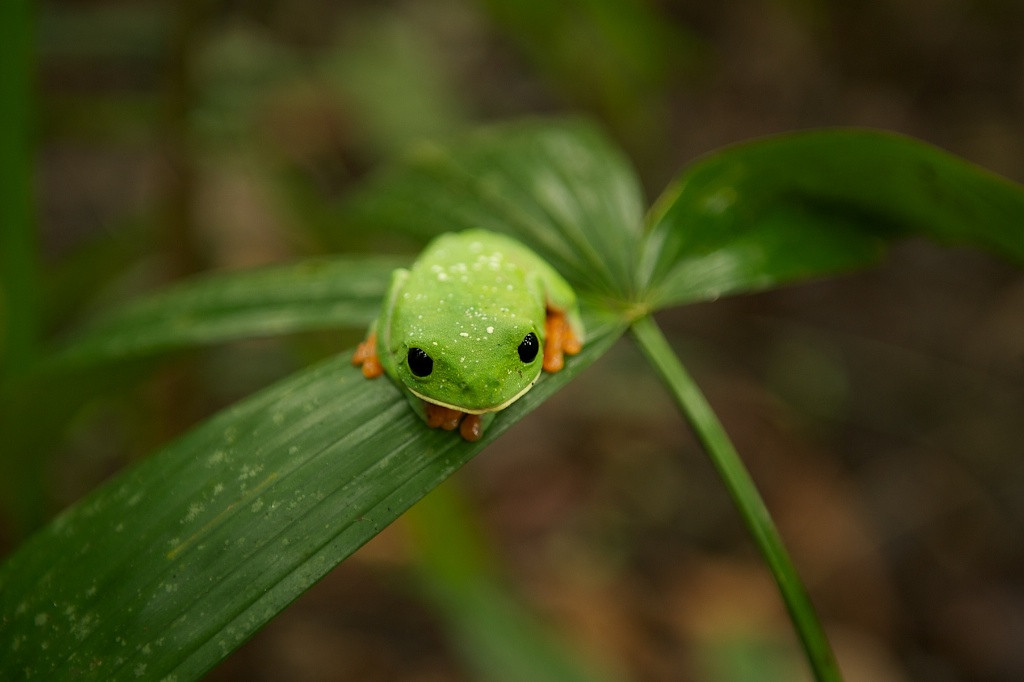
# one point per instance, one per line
(490, 330)
(464, 334)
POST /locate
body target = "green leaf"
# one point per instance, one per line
(809, 204)
(563, 189)
(318, 294)
(176, 561)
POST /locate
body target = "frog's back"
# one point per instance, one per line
(476, 270)
(467, 285)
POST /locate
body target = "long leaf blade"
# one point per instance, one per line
(175, 562)
(810, 204)
(319, 294)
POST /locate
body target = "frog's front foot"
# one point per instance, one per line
(366, 355)
(440, 417)
(560, 340)
(469, 425)
(472, 427)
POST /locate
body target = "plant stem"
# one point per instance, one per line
(19, 283)
(744, 494)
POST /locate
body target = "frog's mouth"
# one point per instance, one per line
(467, 410)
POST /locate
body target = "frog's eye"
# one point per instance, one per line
(420, 363)
(529, 347)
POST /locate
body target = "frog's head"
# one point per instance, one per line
(474, 368)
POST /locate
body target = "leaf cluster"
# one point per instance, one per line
(171, 565)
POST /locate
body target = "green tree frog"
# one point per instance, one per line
(467, 329)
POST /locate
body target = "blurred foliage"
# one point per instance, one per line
(889, 399)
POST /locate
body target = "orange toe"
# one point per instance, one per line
(366, 355)
(442, 417)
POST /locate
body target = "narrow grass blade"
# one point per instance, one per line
(498, 637)
(20, 298)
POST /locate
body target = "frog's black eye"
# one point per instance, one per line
(420, 363)
(529, 347)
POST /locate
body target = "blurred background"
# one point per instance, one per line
(881, 413)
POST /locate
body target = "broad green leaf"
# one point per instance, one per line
(319, 294)
(809, 204)
(561, 188)
(172, 564)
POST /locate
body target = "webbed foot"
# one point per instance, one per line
(439, 417)
(470, 426)
(560, 340)
(366, 355)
